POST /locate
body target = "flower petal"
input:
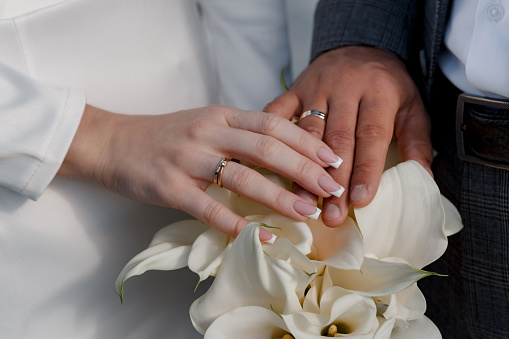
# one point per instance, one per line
(297, 232)
(406, 218)
(340, 247)
(208, 252)
(406, 305)
(169, 250)
(376, 278)
(453, 222)
(354, 315)
(421, 328)
(251, 277)
(385, 329)
(250, 322)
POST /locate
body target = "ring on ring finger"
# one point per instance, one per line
(218, 175)
(313, 113)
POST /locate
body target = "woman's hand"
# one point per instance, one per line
(171, 159)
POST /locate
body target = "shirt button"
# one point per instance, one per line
(495, 12)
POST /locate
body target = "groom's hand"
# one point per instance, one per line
(369, 98)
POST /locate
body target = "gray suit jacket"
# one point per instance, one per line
(411, 29)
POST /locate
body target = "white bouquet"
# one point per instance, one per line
(358, 280)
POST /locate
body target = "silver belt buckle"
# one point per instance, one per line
(464, 152)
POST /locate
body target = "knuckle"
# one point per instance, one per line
(269, 122)
(238, 226)
(273, 107)
(213, 212)
(279, 199)
(216, 109)
(371, 131)
(266, 147)
(306, 168)
(340, 140)
(198, 128)
(315, 129)
(242, 179)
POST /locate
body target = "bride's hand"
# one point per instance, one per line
(171, 159)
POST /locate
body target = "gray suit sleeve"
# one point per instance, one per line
(386, 24)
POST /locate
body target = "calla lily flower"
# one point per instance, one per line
(250, 322)
(360, 277)
(251, 276)
(408, 210)
(169, 250)
(341, 314)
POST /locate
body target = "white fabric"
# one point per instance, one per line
(477, 41)
(60, 255)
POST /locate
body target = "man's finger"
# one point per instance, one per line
(413, 135)
(287, 105)
(340, 137)
(372, 138)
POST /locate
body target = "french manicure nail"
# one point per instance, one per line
(330, 186)
(271, 240)
(358, 193)
(307, 210)
(266, 236)
(328, 157)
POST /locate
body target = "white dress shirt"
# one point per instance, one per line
(477, 41)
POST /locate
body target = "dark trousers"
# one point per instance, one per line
(473, 301)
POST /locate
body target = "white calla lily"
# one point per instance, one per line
(342, 313)
(297, 232)
(404, 306)
(208, 252)
(250, 322)
(250, 276)
(406, 211)
(169, 250)
(421, 328)
(341, 247)
(376, 277)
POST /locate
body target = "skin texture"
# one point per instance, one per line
(370, 100)
(170, 159)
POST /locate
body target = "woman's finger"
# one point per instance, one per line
(251, 184)
(270, 153)
(213, 213)
(284, 131)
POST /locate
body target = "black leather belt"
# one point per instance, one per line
(482, 130)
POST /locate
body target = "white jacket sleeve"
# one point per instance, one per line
(37, 125)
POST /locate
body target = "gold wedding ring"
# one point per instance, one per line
(313, 113)
(218, 175)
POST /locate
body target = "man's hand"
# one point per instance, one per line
(370, 98)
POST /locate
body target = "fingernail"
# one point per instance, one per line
(271, 240)
(266, 236)
(331, 212)
(307, 196)
(307, 210)
(330, 186)
(358, 193)
(328, 157)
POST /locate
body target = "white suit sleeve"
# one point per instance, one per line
(37, 125)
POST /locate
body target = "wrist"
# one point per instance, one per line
(82, 158)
